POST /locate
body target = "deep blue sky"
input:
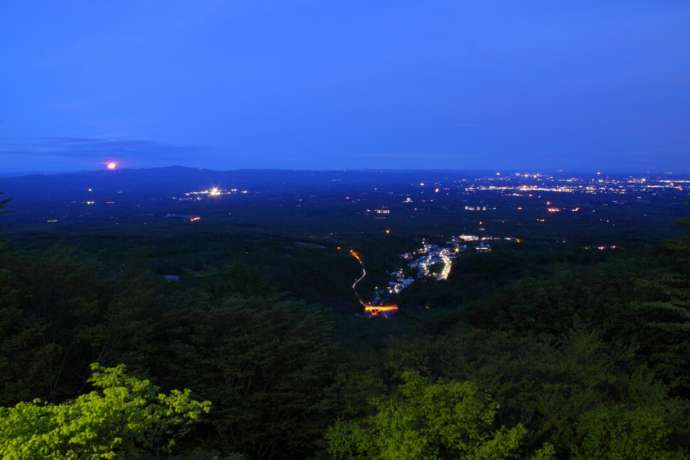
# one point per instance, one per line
(601, 84)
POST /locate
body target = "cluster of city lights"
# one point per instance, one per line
(214, 192)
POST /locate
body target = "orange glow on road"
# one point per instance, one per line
(376, 310)
(355, 254)
(369, 309)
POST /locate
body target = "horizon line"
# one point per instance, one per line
(593, 171)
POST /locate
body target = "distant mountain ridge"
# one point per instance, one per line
(179, 179)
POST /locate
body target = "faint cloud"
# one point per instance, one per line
(84, 147)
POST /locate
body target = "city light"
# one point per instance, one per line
(380, 310)
(213, 192)
(111, 165)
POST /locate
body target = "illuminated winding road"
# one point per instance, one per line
(369, 309)
(356, 255)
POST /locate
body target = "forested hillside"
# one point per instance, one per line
(562, 359)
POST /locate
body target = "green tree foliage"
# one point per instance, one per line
(619, 432)
(46, 305)
(641, 300)
(427, 421)
(353, 386)
(588, 356)
(265, 363)
(125, 417)
(543, 382)
(61, 311)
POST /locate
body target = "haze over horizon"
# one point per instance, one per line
(474, 172)
(351, 85)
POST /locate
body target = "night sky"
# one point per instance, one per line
(356, 84)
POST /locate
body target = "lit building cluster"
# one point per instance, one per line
(213, 192)
(479, 208)
(602, 247)
(436, 261)
(539, 183)
(382, 212)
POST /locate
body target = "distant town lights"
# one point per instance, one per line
(111, 165)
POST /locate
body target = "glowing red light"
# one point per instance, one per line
(380, 310)
(111, 165)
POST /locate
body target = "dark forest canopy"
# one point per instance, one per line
(563, 357)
